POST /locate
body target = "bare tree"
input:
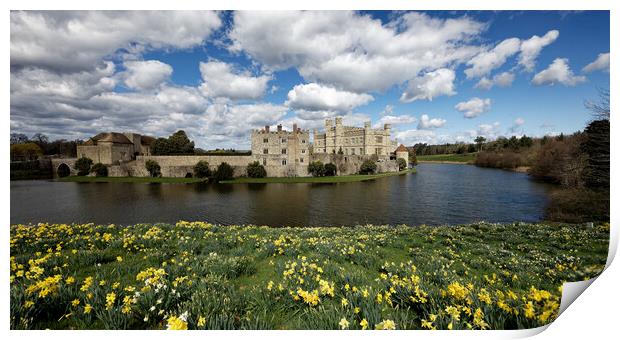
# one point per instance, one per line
(600, 109)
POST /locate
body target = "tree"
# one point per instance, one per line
(160, 147)
(600, 110)
(25, 152)
(224, 172)
(202, 170)
(40, 138)
(479, 141)
(596, 146)
(317, 169)
(330, 169)
(153, 168)
(340, 152)
(18, 138)
(402, 164)
(256, 170)
(413, 159)
(368, 167)
(180, 144)
(177, 144)
(83, 166)
(100, 170)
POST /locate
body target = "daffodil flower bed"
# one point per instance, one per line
(196, 275)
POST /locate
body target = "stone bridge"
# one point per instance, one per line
(63, 167)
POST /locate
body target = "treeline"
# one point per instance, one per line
(24, 148)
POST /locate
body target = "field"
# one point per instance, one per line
(325, 179)
(194, 275)
(449, 158)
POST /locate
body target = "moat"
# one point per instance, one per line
(436, 194)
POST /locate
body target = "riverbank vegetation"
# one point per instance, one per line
(322, 179)
(202, 276)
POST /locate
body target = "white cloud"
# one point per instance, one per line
(558, 72)
(387, 111)
(530, 49)
(412, 137)
(395, 120)
(488, 131)
(485, 62)
(474, 107)
(429, 86)
(351, 51)
(222, 80)
(600, 64)
(427, 123)
(70, 41)
(316, 97)
(146, 75)
(503, 79)
(516, 127)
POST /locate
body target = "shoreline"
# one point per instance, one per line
(326, 179)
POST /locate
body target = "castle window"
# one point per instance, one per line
(303, 151)
(265, 140)
(353, 151)
(265, 151)
(361, 151)
(284, 162)
(379, 139)
(264, 161)
(303, 141)
(284, 151)
(301, 160)
(283, 140)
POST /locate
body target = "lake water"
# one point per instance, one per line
(436, 194)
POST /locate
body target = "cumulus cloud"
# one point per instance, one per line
(395, 120)
(474, 107)
(352, 51)
(222, 80)
(558, 72)
(316, 97)
(600, 64)
(146, 75)
(530, 49)
(432, 84)
(516, 127)
(49, 39)
(488, 131)
(485, 62)
(503, 79)
(427, 123)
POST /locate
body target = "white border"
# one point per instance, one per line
(593, 315)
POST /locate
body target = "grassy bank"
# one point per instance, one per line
(326, 179)
(129, 179)
(467, 158)
(202, 276)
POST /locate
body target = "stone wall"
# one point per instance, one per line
(350, 164)
(180, 166)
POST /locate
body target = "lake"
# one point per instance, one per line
(436, 194)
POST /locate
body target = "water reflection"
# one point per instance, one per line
(437, 194)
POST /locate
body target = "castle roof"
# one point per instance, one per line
(110, 137)
(147, 140)
(401, 148)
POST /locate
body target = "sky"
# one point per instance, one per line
(436, 76)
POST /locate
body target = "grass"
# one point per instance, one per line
(129, 179)
(452, 158)
(326, 179)
(198, 275)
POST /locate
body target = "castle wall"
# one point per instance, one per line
(350, 164)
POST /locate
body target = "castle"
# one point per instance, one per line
(282, 153)
(351, 140)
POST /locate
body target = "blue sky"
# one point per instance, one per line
(436, 76)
